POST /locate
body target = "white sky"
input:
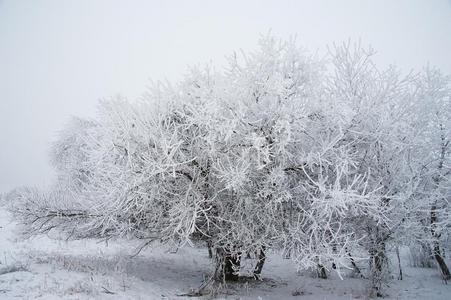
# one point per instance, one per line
(57, 58)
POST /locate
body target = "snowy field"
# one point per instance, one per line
(44, 268)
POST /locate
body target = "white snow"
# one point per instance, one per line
(45, 268)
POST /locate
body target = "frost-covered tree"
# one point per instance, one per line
(70, 151)
(379, 110)
(318, 159)
(430, 165)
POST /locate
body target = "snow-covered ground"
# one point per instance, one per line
(45, 268)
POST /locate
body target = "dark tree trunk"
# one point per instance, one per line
(354, 265)
(436, 251)
(261, 261)
(210, 251)
(440, 261)
(399, 264)
(321, 271)
(436, 246)
(378, 259)
(227, 266)
(334, 250)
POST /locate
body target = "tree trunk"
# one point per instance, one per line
(440, 261)
(377, 262)
(399, 264)
(354, 265)
(227, 266)
(321, 271)
(436, 246)
(261, 261)
(210, 251)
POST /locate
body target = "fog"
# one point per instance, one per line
(57, 58)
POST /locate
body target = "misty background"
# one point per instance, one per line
(57, 58)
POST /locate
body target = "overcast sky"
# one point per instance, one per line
(57, 58)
